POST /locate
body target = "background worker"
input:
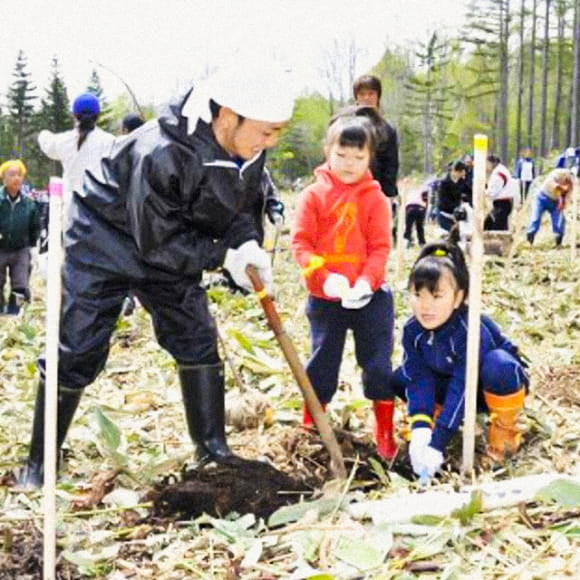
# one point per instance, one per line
(452, 190)
(415, 212)
(367, 91)
(130, 122)
(174, 199)
(78, 149)
(525, 172)
(552, 197)
(19, 231)
(500, 191)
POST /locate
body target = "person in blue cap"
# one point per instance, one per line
(78, 149)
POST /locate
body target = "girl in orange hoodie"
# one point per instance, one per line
(341, 240)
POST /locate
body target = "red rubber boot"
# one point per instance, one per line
(307, 420)
(384, 429)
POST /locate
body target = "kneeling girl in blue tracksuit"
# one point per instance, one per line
(432, 376)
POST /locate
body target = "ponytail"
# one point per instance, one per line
(86, 123)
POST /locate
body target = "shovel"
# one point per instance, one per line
(312, 403)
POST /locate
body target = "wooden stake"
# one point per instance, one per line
(312, 403)
(474, 301)
(574, 219)
(53, 297)
(400, 255)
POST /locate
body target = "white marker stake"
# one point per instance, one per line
(474, 301)
(400, 253)
(574, 219)
(53, 297)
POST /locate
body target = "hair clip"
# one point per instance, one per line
(439, 252)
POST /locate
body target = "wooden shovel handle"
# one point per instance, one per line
(310, 398)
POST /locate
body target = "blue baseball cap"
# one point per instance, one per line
(86, 104)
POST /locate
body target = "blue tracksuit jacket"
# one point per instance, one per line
(434, 367)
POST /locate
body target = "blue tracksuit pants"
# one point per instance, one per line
(542, 204)
(372, 327)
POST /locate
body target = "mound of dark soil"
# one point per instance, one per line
(247, 486)
(244, 486)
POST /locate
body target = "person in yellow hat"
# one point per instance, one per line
(19, 230)
(175, 198)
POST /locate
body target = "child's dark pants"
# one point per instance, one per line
(372, 328)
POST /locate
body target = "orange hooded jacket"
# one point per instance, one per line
(342, 228)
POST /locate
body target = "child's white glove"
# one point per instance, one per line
(335, 285)
(430, 462)
(249, 253)
(358, 296)
(420, 439)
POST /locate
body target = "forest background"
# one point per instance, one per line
(511, 72)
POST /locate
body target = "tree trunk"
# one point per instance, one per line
(561, 13)
(520, 82)
(502, 112)
(532, 80)
(545, 67)
(575, 108)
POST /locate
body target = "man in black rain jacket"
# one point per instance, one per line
(178, 196)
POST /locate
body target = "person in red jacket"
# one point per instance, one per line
(340, 241)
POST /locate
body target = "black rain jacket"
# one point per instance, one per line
(165, 204)
(385, 164)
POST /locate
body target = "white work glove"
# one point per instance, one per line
(335, 285)
(430, 462)
(249, 253)
(358, 296)
(420, 439)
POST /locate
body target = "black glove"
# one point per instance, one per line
(460, 214)
(274, 210)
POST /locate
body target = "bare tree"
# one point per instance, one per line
(575, 108)
(561, 9)
(502, 104)
(532, 78)
(340, 70)
(521, 59)
(545, 67)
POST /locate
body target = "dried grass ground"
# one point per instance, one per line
(130, 434)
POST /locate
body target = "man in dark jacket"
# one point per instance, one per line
(19, 230)
(174, 199)
(367, 91)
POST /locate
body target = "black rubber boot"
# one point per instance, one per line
(559, 240)
(203, 391)
(531, 238)
(14, 302)
(32, 474)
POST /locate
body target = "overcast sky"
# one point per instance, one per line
(160, 46)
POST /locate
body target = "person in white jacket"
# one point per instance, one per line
(500, 193)
(77, 149)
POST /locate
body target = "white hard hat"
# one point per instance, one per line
(257, 90)
(570, 152)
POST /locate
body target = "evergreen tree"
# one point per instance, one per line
(55, 116)
(55, 108)
(20, 99)
(105, 119)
